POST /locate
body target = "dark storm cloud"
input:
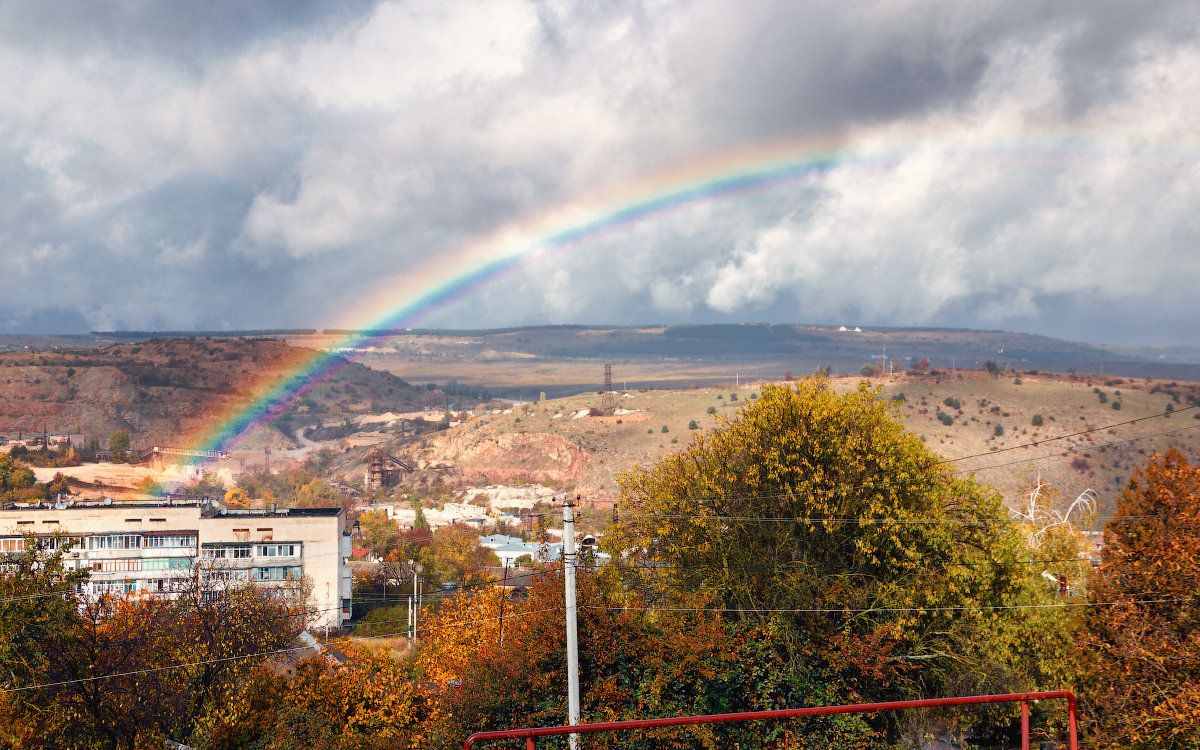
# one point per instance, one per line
(1006, 164)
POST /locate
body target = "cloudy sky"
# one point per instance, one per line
(1030, 166)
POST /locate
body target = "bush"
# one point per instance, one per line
(899, 398)
(1017, 381)
(945, 418)
(693, 426)
(664, 429)
(733, 397)
(1103, 397)
(1116, 405)
(711, 410)
(1038, 420)
(867, 371)
(999, 430)
(952, 402)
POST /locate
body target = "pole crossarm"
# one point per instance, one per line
(530, 733)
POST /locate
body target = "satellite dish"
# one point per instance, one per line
(108, 501)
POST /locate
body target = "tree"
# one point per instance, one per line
(237, 497)
(1143, 644)
(375, 703)
(992, 368)
(633, 664)
(818, 514)
(379, 532)
(116, 672)
(118, 443)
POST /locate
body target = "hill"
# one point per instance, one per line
(988, 427)
(563, 360)
(167, 391)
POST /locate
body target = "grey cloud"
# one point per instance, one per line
(252, 165)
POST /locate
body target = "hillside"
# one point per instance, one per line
(166, 391)
(555, 443)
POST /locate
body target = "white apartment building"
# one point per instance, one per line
(139, 547)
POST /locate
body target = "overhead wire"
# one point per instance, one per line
(263, 654)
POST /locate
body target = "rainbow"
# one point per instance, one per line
(460, 273)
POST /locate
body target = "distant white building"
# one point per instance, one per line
(148, 548)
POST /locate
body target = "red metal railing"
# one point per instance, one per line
(791, 713)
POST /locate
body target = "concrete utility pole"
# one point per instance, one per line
(572, 629)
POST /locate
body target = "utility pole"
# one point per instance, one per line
(572, 629)
(416, 599)
(267, 459)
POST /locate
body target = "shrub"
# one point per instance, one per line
(952, 402)
(1038, 420)
(867, 371)
(899, 398)
(733, 397)
(1017, 381)
(1103, 397)
(999, 430)
(665, 429)
(693, 426)
(719, 397)
(711, 410)
(1116, 405)
(945, 418)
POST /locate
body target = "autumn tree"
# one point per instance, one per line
(379, 532)
(454, 554)
(1143, 639)
(371, 703)
(119, 672)
(502, 662)
(817, 514)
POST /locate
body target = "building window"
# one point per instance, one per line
(115, 541)
(277, 573)
(182, 540)
(221, 553)
(12, 544)
(112, 566)
(276, 550)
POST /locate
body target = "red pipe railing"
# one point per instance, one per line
(790, 713)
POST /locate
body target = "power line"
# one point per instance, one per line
(869, 610)
(264, 654)
(931, 477)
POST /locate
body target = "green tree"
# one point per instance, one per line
(1038, 420)
(818, 513)
(118, 443)
(1143, 644)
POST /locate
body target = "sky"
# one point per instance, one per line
(1021, 165)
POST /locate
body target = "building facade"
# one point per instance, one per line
(151, 548)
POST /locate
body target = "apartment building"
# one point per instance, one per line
(139, 547)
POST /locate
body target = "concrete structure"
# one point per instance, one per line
(148, 547)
